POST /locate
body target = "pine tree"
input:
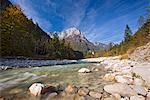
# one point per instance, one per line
(127, 34)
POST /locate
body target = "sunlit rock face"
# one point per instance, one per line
(71, 32)
(78, 41)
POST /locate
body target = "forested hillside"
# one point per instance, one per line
(21, 37)
(131, 41)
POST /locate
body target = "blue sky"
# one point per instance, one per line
(100, 20)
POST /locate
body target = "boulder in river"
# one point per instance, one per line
(84, 70)
(83, 91)
(95, 94)
(71, 89)
(109, 77)
(36, 89)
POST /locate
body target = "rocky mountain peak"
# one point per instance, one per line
(77, 40)
(71, 32)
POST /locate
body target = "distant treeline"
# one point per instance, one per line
(21, 37)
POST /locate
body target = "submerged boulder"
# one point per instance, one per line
(84, 70)
(71, 89)
(83, 91)
(95, 94)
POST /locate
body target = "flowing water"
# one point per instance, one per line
(14, 83)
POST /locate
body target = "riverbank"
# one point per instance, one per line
(124, 80)
(110, 79)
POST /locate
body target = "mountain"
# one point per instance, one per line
(78, 41)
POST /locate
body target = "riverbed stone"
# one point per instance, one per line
(84, 70)
(95, 94)
(138, 81)
(71, 89)
(148, 96)
(36, 89)
(78, 97)
(137, 97)
(51, 96)
(119, 88)
(122, 79)
(83, 91)
(139, 90)
(109, 77)
(117, 96)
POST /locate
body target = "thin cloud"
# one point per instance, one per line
(98, 19)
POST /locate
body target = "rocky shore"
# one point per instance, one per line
(125, 80)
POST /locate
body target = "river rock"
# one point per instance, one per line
(36, 89)
(117, 96)
(84, 70)
(51, 96)
(139, 90)
(137, 97)
(138, 81)
(83, 91)
(148, 96)
(122, 79)
(119, 88)
(109, 77)
(77, 97)
(71, 89)
(95, 94)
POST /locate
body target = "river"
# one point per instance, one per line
(14, 83)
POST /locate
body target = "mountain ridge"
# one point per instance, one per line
(78, 41)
